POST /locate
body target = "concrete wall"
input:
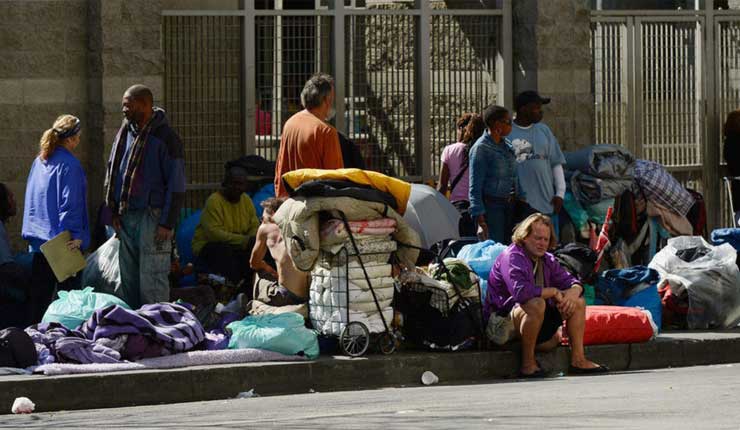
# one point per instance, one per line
(43, 74)
(76, 57)
(552, 55)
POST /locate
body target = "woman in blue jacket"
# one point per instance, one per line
(492, 176)
(56, 200)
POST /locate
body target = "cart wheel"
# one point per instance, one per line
(387, 343)
(354, 339)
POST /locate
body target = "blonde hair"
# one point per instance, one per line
(524, 229)
(50, 139)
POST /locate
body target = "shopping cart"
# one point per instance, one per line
(439, 318)
(434, 316)
(331, 308)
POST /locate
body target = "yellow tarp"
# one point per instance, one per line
(400, 190)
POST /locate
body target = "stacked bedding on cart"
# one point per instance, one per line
(337, 222)
(372, 237)
(338, 297)
(339, 290)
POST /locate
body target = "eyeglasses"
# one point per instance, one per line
(505, 121)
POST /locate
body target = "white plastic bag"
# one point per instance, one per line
(22, 405)
(102, 271)
(712, 281)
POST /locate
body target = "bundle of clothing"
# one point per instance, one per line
(665, 197)
(114, 334)
(706, 275)
(595, 175)
(345, 194)
(599, 172)
(647, 200)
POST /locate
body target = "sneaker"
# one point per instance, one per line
(500, 330)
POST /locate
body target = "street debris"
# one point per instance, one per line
(22, 405)
(429, 378)
(247, 394)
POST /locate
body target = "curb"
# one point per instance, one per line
(202, 383)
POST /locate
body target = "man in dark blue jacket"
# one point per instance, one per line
(145, 189)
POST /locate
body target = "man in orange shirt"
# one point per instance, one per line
(308, 141)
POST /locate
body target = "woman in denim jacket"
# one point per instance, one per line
(492, 175)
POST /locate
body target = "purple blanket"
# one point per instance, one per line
(55, 343)
(114, 333)
(172, 326)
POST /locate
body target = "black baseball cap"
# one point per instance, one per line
(526, 97)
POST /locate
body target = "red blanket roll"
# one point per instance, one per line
(616, 324)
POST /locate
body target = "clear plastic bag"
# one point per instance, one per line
(712, 280)
(102, 271)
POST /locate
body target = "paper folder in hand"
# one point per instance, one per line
(64, 262)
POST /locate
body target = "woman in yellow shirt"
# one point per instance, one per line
(224, 237)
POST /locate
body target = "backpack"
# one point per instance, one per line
(16, 348)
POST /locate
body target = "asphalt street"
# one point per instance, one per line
(683, 398)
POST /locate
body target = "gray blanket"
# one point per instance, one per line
(590, 190)
(602, 161)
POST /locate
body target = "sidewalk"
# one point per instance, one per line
(673, 349)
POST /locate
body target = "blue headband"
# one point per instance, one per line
(71, 132)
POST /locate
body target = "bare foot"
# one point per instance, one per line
(584, 364)
(529, 369)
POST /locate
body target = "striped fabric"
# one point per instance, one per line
(661, 187)
(171, 325)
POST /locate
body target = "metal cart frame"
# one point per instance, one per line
(354, 336)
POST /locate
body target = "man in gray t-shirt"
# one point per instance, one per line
(540, 177)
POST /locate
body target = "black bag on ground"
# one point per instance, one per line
(16, 349)
(424, 324)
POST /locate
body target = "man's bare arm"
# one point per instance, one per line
(257, 259)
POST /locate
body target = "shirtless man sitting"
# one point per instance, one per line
(286, 285)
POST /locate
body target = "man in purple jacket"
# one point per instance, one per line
(529, 295)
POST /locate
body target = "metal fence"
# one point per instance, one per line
(662, 88)
(202, 94)
(404, 71)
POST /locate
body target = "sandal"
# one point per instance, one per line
(573, 370)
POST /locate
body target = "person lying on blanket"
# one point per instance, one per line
(286, 285)
(529, 295)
